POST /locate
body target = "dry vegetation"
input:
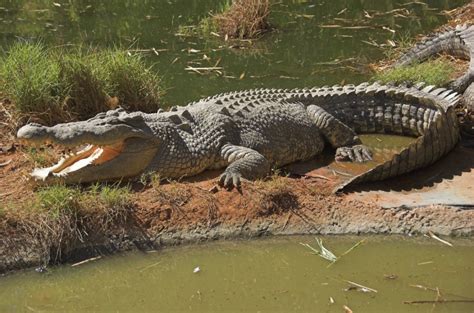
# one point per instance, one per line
(60, 219)
(244, 19)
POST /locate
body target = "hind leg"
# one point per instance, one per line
(341, 137)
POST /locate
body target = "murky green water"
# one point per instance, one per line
(315, 42)
(270, 275)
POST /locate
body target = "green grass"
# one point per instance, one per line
(434, 72)
(56, 85)
(132, 81)
(109, 196)
(85, 81)
(29, 76)
(58, 200)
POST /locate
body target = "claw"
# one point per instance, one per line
(229, 180)
(357, 153)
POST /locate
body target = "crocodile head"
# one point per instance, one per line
(110, 146)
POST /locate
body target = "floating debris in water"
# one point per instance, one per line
(324, 253)
(359, 287)
(439, 239)
(425, 263)
(86, 261)
(390, 276)
(347, 309)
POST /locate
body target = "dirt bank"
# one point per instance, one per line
(190, 211)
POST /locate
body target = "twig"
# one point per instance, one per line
(86, 261)
(347, 309)
(214, 68)
(5, 163)
(361, 286)
(437, 301)
(439, 239)
(436, 290)
(287, 220)
(347, 251)
(150, 266)
(317, 176)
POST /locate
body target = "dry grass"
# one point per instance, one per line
(244, 19)
(274, 196)
(60, 218)
(173, 195)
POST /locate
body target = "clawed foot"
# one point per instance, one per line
(230, 180)
(357, 153)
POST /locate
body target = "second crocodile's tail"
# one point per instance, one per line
(458, 42)
(426, 113)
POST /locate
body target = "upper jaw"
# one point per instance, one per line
(75, 134)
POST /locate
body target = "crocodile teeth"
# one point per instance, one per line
(43, 173)
(81, 163)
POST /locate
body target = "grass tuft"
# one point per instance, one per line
(274, 196)
(244, 19)
(29, 77)
(134, 83)
(85, 83)
(60, 218)
(433, 72)
(58, 200)
(61, 86)
(238, 19)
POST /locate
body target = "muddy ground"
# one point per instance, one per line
(193, 210)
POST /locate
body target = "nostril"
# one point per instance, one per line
(35, 124)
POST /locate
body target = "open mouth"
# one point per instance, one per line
(91, 155)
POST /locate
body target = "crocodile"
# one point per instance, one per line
(456, 41)
(249, 132)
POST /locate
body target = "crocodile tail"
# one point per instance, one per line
(458, 42)
(438, 139)
(463, 82)
(450, 42)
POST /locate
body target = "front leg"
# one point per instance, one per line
(243, 163)
(348, 145)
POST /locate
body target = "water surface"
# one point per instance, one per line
(314, 43)
(271, 275)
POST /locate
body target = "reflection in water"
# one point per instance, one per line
(272, 275)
